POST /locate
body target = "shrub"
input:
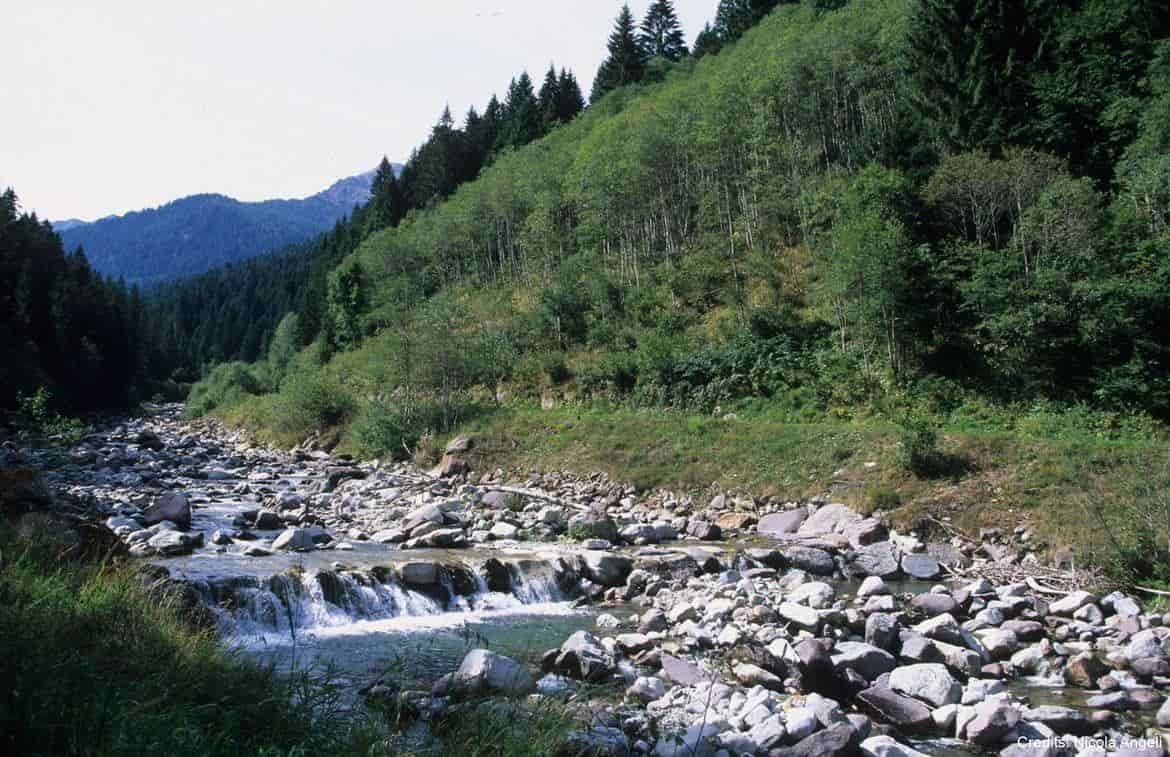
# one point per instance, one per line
(37, 418)
(227, 384)
(394, 428)
(918, 451)
(311, 401)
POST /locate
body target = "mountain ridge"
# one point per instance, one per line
(192, 234)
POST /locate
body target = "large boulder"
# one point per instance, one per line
(420, 574)
(921, 566)
(779, 524)
(810, 559)
(866, 660)
(830, 519)
(174, 543)
(296, 539)
(173, 507)
(484, 672)
(582, 657)
(892, 708)
(878, 559)
(929, 682)
(606, 568)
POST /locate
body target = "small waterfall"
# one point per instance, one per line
(249, 607)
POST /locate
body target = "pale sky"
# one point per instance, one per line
(117, 105)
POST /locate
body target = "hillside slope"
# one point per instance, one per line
(194, 234)
(796, 231)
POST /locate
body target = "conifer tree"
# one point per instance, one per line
(708, 42)
(570, 101)
(521, 113)
(661, 34)
(386, 201)
(626, 62)
(549, 100)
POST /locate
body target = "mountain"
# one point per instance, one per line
(196, 233)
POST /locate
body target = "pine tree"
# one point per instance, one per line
(708, 42)
(661, 34)
(549, 100)
(626, 63)
(521, 114)
(570, 101)
(386, 201)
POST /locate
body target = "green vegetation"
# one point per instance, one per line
(94, 664)
(803, 232)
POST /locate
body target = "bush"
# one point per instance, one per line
(227, 384)
(918, 452)
(309, 402)
(35, 417)
(394, 428)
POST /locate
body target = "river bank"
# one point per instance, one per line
(755, 627)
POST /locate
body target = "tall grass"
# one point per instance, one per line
(92, 663)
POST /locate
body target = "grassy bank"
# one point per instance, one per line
(94, 664)
(1091, 485)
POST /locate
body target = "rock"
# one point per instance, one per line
(174, 543)
(888, 706)
(594, 525)
(682, 672)
(334, 477)
(810, 559)
(934, 604)
(606, 568)
(267, 521)
(297, 539)
(929, 682)
(779, 524)
(1084, 670)
(830, 519)
(419, 573)
(920, 566)
(459, 444)
(1144, 644)
(553, 685)
(735, 521)
(872, 586)
(991, 724)
(595, 741)
(1163, 716)
(255, 550)
(768, 732)
(503, 530)
(887, 746)
(450, 466)
(1060, 719)
(864, 659)
(484, 672)
(835, 740)
(646, 689)
(704, 530)
(584, 658)
(882, 631)
(220, 538)
(695, 741)
(805, 617)
(815, 594)
(879, 559)
(1118, 603)
(653, 620)
(753, 675)
(173, 507)
(1071, 602)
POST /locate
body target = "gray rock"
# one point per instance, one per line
(810, 559)
(174, 543)
(887, 746)
(882, 631)
(864, 659)
(837, 739)
(830, 519)
(682, 672)
(879, 559)
(606, 568)
(419, 573)
(929, 682)
(991, 724)
(888, 706)
(297, 539)
(921, 566)
(173, 507)
(484, 672)
(779, 524)
(646, 689)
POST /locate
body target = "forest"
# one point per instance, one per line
(887, 206)
(881, 204)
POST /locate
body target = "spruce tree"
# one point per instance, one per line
(626, 62)
(708, 42)
(661, 34)
(549, 100)
(521, 113)
(570, 101)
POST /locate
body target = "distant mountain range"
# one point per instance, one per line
(194, 234)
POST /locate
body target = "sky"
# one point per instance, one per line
(127, 104)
